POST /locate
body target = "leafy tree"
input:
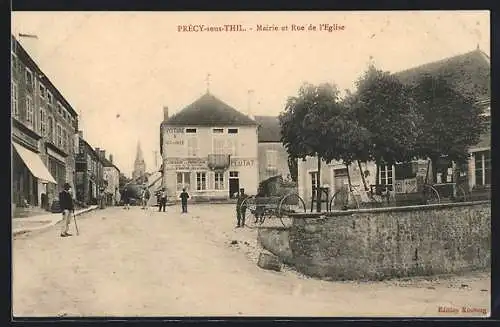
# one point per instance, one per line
(317, 123)
(384, 107)
(451, 122)
(293, 167)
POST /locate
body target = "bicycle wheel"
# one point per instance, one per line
(291, 203)
(343, 200)
(431, 195)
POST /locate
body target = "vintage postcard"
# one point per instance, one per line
(330, 164)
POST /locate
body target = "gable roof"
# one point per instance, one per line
(269, 129)
(209, 111)
(469, 73)
(107, 163)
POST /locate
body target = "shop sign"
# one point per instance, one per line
(186, 164)
(242, 162)
(25, 138)
(174, 136)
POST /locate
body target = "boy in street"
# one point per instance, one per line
(163, 199)
(184, 200)
(241, 210)
(67, 207)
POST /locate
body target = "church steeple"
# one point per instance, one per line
(139, 164)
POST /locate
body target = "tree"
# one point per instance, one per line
(451, 122)
(293, 167)
(383, 106)
(316, 123)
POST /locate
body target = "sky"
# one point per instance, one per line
(119, 69)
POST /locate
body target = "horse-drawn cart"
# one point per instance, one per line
(275, 199)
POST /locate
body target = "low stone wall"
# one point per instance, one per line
(386, 242)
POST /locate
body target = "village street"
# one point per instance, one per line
(146, 263)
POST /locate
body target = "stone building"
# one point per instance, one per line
(43, 129)
(89, 172)
(273, 158)
(210, 149)
(469, 73)
(111, 177)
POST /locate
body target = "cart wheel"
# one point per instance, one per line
(291, 203)
(247, 211)
(431, 195)
(343, 200)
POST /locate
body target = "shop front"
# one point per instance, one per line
(210, 178)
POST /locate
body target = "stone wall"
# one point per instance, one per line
(387, 242)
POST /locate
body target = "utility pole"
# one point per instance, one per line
(156, 158)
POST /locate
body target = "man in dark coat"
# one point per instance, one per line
(241, 209)
(67, 207)
(184, 200)
(126, 198)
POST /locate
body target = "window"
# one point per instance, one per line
(29, 110)
(51, 130)
(314, 179)
(272, 159)
(190, 130)
(59, 108)
(29, 79)
(219, 145)
(192, 146)
(232, 131)
(234, 174)
(64, 139)
(43, 122)
(405, 170)
(42, 91)
(59, 135)
(183, 180)
(201, 181)
(386, 175)
(14, 98)
(232, 146)
(219, 181)
(483, 168)
(49, 98)
(218, 130)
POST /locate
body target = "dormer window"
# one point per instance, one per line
(232, 131)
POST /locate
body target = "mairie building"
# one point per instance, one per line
(210, 149)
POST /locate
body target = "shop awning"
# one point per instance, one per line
(34, 164)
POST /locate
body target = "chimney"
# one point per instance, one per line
(103, 154)
(80, 134)
(98, 152)
(165, 113)
(111, 158)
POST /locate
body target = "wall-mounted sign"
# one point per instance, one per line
(186, 164)
(25, 138)
(242, 162)
(174, 130)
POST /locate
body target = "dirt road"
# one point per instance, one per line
(146, 263)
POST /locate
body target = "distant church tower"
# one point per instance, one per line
(139, 164)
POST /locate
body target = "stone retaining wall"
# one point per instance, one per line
(386, 242)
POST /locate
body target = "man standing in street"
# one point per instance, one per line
(241, 210)
(184, 200)
(163, 199)
(67, 207)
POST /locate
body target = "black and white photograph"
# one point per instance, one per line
(251, 164)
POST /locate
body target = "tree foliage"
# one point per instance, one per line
(451, 123)
(384, 107)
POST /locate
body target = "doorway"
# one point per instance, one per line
(341, 183)
(234, 184)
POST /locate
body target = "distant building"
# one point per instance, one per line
(43, 129)
(469, 73)
(111, 177)
(210, 149)
(273, 158)
(139, 173)
(89, 172)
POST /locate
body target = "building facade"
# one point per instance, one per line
(273, 158)
(210, 149)
(470, 74)
(111, 176)
(43, 129)
(89, 172)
